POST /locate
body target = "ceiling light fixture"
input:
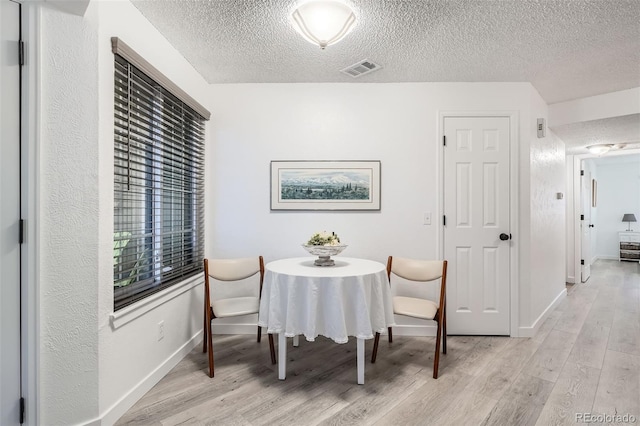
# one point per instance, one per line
(323, 22)
(600, 148)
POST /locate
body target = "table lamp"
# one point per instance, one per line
(629, 217)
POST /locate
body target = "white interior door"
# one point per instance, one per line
(585, 225)
(9, 214)
(476, 208)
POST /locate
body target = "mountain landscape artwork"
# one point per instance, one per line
(325, 184)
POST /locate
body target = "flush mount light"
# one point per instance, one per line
(323, 22)
(600, 148)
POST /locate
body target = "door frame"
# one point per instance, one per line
(580, 211)
(514, 184)
(30, 135)
(577, 205)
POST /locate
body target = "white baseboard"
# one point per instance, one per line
(235, 329)
(531, 331)
(571, 279)
(608, 257)
(113, 413)
(398, 330)
(414, 330)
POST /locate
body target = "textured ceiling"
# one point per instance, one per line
(567, 49)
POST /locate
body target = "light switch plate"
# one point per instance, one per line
(427, 218)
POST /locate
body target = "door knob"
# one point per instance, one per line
(591, 225)
(504, 237)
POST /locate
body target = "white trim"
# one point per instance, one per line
(113, 413)
(398, 330)
(607, 258)
(31, 113)
(131, 312)
(532, 330)
(514, 219)
(514, 184)
(235, 328)
(577, 206)
(415, 330)
(571, 279)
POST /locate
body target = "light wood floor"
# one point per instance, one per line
(585, 358)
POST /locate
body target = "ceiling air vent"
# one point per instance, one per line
(361, 68)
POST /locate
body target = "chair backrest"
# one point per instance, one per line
(416, 269)
(233, 269)
(420, 270)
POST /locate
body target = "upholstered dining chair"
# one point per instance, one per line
(423, 272)
(235, 301)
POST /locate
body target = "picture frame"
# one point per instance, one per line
(594, 193)
(325, 185)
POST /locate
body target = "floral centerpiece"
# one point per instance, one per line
(324, 239)
(324, 245)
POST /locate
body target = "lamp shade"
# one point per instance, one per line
(629, 217)
(323, 22)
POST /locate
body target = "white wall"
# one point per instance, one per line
(254, 124)
(618, 193)
(89, 371)
(395, 123)
(548, 223)
(68, 254)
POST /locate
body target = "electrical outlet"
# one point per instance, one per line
(160, 330)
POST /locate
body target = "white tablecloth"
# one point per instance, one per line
(351, 298)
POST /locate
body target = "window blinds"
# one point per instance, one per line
(158, 186)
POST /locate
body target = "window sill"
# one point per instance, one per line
(128, 314)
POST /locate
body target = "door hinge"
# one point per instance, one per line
(444, 140)
(21, 232)
(444, 220)
(582, 261)
(21, 410)
(581, 217)
(21, 52)
(581, 172)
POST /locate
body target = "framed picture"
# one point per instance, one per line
(594, 193)
(325, 185)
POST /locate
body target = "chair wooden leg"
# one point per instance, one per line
(271, 349)
(259, 333)
(374, 353)
(390, 335)
(436, 359)
(444, 330)
(210, 348)
(204, 341)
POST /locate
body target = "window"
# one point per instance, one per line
(158, 183)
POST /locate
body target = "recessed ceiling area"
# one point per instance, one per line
(615, 130)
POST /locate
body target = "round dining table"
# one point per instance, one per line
(351, 298)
